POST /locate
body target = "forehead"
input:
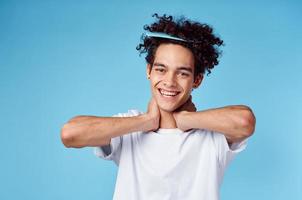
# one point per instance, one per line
(174, 55)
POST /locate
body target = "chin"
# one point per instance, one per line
(168, 108)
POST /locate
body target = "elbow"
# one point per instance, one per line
(66, 137)
(69, 135)
(69, 138)
(248, 122)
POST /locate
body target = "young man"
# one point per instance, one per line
(171, 151)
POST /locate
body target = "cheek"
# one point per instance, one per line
(154, 81)
(153, 84)
(187, 85)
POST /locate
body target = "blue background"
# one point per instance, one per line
(59, 59)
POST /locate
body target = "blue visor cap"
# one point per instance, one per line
(163, 35)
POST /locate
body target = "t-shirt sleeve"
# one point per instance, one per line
(226, 152)
(113, 150)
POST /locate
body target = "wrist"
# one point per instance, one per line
(178, 116)
(181, 119)
(149, 123)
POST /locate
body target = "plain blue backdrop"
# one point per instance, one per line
(59, 59)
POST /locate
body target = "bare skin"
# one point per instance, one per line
(83, 131)
(172, 80)
(236, 122)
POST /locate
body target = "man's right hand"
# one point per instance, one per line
(83, 131)
(153, 115)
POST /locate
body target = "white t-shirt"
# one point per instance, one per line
(169, 164)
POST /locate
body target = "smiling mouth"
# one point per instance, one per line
(167, 93)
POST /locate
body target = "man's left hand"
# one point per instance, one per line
(184, 110)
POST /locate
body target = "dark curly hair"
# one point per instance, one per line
(202, 42)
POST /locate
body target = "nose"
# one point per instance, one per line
(169, 80)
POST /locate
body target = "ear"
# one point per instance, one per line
(197, 81)
(148, 72)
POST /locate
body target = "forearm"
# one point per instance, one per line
(235, 122)
(84, 131)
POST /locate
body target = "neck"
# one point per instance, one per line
(167, 120)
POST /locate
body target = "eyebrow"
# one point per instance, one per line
(188, 69)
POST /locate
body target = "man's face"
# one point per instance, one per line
(172, 76)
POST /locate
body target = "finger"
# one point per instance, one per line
(194, 108)
(188, 102)
(185, 106)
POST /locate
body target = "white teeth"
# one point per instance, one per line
(168, 93)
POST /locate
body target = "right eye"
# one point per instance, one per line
(159, 70)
